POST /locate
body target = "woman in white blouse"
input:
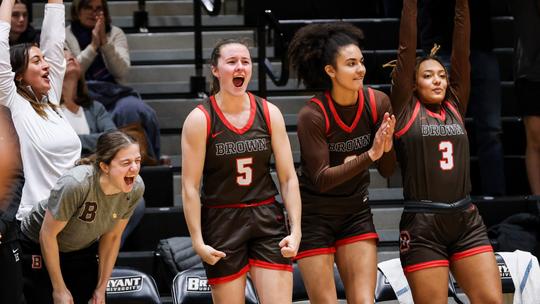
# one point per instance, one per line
(31, 86)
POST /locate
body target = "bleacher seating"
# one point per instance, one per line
(163, 61)
(130, 286)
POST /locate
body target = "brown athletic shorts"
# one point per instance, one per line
(323, 233)
(436, 239)
(249, 236)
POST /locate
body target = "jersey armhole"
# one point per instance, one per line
(267, 115)
(326, 120)
(373, 105)
(401, 132)
(208, 124)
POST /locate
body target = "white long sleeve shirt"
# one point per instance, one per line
(49, 146)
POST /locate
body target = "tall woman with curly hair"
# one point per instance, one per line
(440, 228)
(342, 131)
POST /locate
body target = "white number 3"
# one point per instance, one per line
(245, 172)
(447, 161)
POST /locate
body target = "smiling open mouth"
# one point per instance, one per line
(129, 180)
(238, 81)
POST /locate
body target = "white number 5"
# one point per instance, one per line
(447, 161)
(243, 167)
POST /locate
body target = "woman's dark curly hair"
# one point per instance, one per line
(316, 45)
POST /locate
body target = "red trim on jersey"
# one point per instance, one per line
(340, 122)
(456, 112)
(470, 252)
(400, 133)
(315, 100)
(261, 203)
(232, 277)
(441, 117)
(430, 264)
(313, 252)
(252, 111)
(208, 123)
(356, 238)
(373, 105)
(267, 265)
(267, 116)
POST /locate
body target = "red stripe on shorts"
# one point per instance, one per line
(356, 238)
(267, 265)
(430, 264)
(312, 252)
(225, 279)
(469, 252)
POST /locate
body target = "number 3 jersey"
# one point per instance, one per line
(433, 151)
(237, 163)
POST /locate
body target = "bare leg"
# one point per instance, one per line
(429, 286)
(318, 275)
(357, 264)
(479, 277)
(232, 292)
(273, 286)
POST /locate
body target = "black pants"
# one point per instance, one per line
(11, 279)
(79, 270)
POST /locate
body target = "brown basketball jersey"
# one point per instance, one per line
(433, 151)
(237, 163)
(346, 140)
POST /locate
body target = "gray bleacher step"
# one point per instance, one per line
(176, 73)
(160, 14)
(186, 53)
(171, 113)
(180, 40)
(173, 87)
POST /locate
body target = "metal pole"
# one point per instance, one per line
(198, 82)
(261, 54)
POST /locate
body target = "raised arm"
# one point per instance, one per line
(193, 155)
(7, 84)
(288, 181)
(460, 73)
(52, 46)
(403, 75)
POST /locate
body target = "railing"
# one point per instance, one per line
(212, 7)
(267, 21)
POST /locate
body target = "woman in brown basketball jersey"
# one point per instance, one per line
(235, 223)
(440, 228)
(342, 132)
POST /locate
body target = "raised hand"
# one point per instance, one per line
(377, 149)
(390, 120)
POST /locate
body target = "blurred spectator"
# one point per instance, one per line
(90, 120)
(21, 30)
(11, 184)
(436, 23)
(88, 117)
(103, 53)
(527, 80)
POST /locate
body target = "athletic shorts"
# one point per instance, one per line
(323, 233)
(436, 239)
(249, 236)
